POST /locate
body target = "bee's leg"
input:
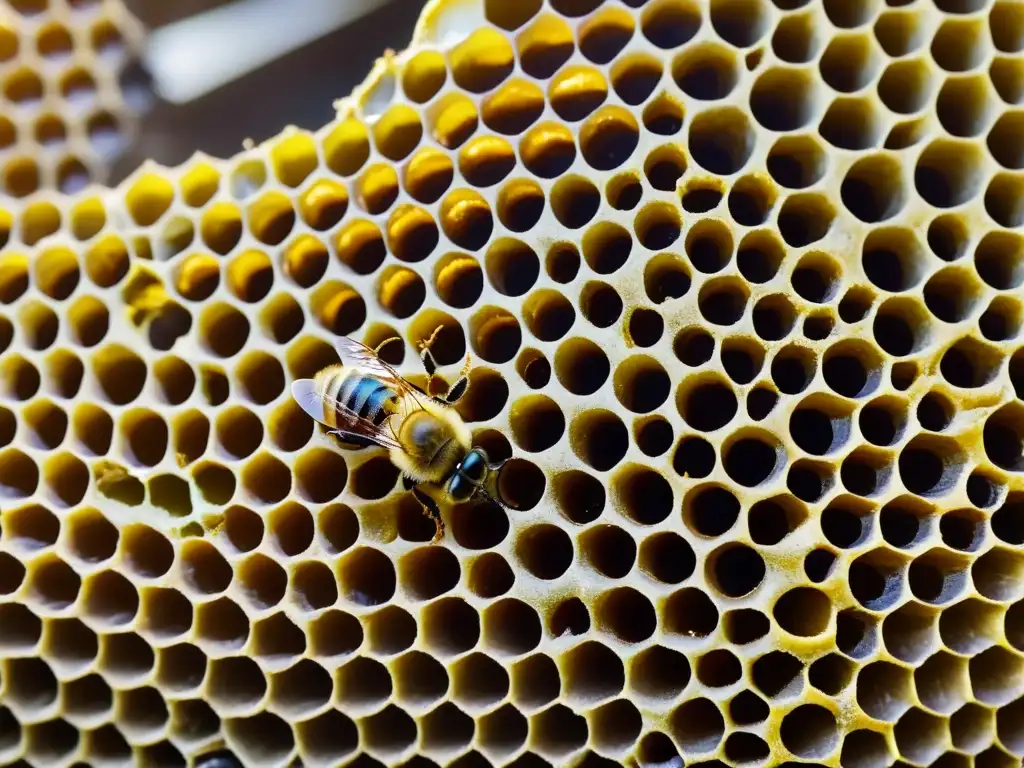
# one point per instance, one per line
(429, 363)
(458, 389)
(431, 510)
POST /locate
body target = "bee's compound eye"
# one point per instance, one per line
(474, 466)
(459, 488)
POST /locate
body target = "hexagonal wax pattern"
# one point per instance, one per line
(740, 282)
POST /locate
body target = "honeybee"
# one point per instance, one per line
(364, 401)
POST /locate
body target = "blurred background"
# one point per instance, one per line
(298, 89)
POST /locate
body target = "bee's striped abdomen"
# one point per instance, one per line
(365, 396)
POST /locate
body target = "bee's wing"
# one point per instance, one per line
(349, 423)
(357, 354)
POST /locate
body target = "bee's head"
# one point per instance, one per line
(470, 476)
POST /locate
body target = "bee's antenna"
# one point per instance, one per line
(492, 499)
(495, 498)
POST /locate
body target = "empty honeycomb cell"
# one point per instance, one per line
(203, 569)
(221, 227)
(447, 728)
(574, 201)
(831, 674)
(948, 173)
(805, 218)
(849, 63)
(66, 478)
(663, 168)
(873, 191)
(634, 77)
(246, 179)
(323, 204)
(653, 435)
(920, 736)
(30, 528)
(30, 685)
(53, 740)
(107, 743)
(125, 657)
(965, 105)
(694, 457)
(971, 727)
(962, 529)
(533, 368)
(312, 587)
(778, 674)
(998, 259)
(47, 424)
(810, 730)
(503, 731)
(952, 294)
(615, 725)
(605, 34)
(93, 429)
(341, 310)
(707, 71)
(548, 314)
(373, 479)
(537, 423)
(784, 99)
(260, 736)
(193, 721)
(266, 479)
(56, 272)
(609, 550)
(642, 495)
(301, 689)
(478, 682)
(171, 494)
(291, 528)
(22, 629)
(141, 712)
(579, 495)
(110, 599)
(599, 438)
(697, 725)
(718, 669)
(198, 276)
(509, 110)
(327, 737)
(390, 731)
(1001, 321)
(942, 683)
(797, 162)
(510, 627)
(221, 626)
(412, 233)
(558, 731)
(177, 235)
(905, 522)
(389, 630)
(21, 176)
(571, 617)
(14, 277)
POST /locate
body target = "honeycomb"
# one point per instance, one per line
(741, 281)
(72, 92)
